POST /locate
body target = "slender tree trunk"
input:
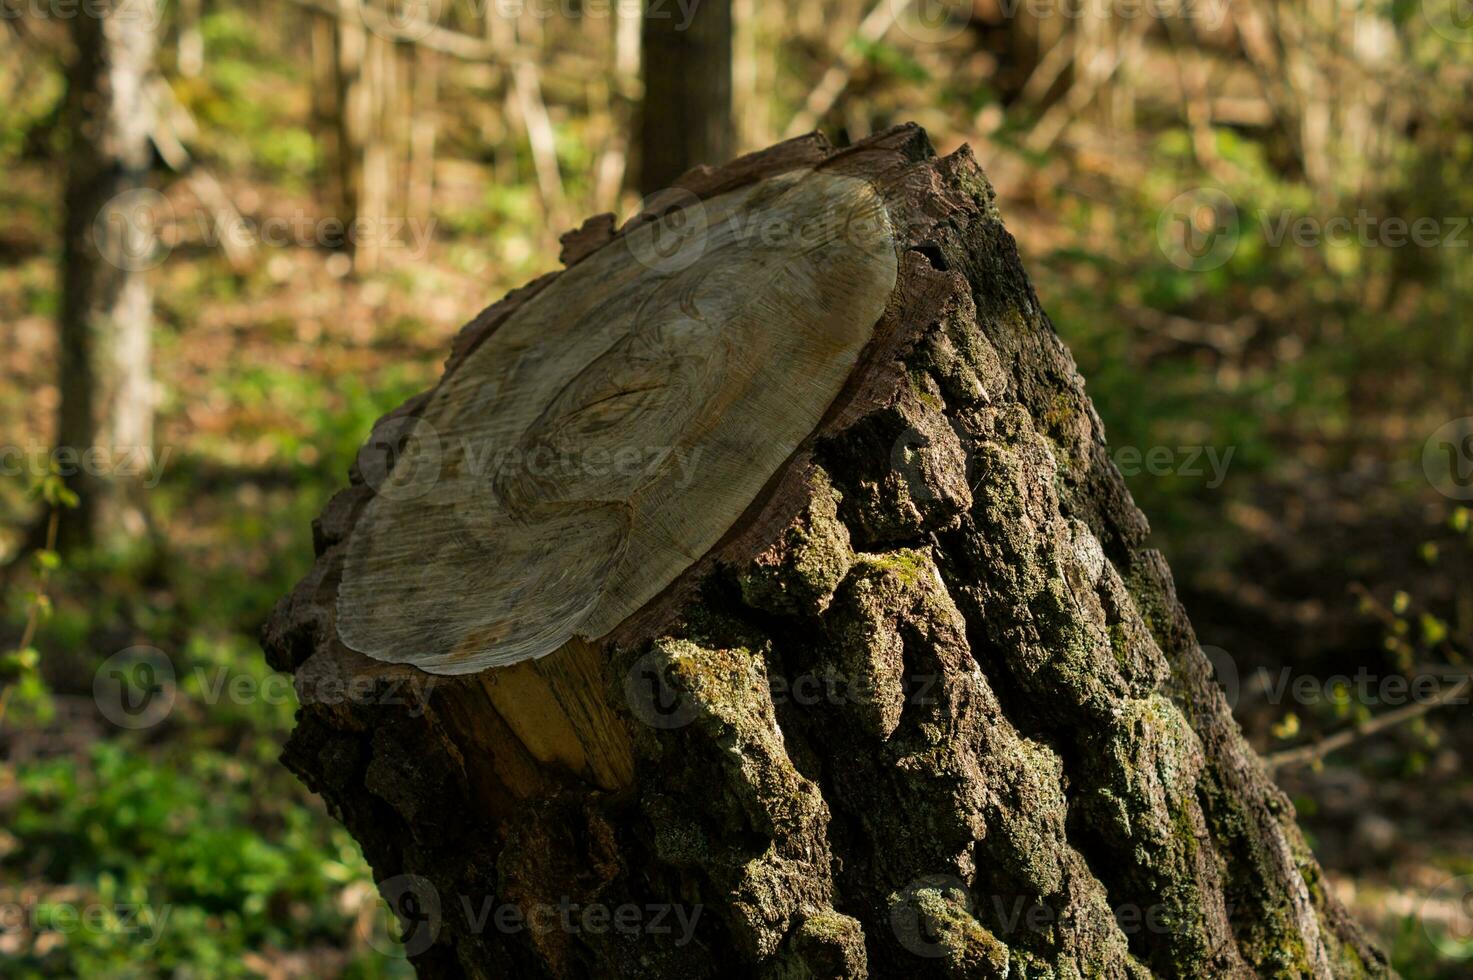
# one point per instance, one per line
(686, 116)
(353, 105)
(191, 46)
(423, 122)
(859, 667)
(106, 415)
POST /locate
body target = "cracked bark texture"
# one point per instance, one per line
(931, 708)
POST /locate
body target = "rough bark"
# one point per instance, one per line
(929, 708)
(110, 241)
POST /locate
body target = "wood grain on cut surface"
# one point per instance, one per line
(615, 426)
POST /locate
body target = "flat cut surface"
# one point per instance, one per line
(616, 425)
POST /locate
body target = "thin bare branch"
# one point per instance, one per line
(875, 25)
(1318, 749)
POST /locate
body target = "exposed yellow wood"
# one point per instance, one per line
(614, 427)
(556, 707)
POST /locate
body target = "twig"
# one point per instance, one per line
(1098, 71)
(466, 47)
(1048, 71)
(1228, 339)
(1195, 89)
(1314, 751)
(174, 125)
(875, 25)
(612, 157)
(1390, 621)
(540, 137)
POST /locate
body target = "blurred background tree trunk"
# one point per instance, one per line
(106, 410)
(687, 68)
(191, 43)
(353, 110)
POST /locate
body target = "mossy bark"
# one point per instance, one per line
(932, 709)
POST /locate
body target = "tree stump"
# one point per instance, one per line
(757, 597)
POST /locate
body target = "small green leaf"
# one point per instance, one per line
(1434, 630)
(1287, 727)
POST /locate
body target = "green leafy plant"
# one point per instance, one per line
(20, 668)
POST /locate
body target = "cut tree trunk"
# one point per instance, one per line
(756, 597)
